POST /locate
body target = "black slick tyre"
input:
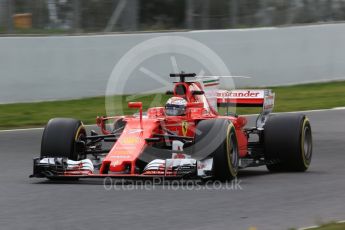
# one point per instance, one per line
(60, 138)
(217, 139)
(288, 143)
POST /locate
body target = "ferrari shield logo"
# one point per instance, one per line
(184, 128)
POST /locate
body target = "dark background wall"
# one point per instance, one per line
(78, 16)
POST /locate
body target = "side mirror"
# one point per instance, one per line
(137, 105)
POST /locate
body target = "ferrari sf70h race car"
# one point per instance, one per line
(188, 138)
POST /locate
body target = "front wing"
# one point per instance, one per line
(55, 168)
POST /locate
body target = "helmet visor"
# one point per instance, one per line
(175, 110)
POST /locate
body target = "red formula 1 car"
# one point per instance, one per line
(187, 138)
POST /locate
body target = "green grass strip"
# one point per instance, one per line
(328, 226)
(288, 98)
(331, 226)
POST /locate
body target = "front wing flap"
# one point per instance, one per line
(168, 168)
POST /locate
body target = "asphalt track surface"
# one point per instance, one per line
(266, 201)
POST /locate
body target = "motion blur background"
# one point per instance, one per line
(283, 48)
(90, 16)
(45, 74)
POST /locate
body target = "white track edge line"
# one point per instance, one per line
(29, 129)
(314, 226)
(309, 227)
(305, 111)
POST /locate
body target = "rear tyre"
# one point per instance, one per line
(217, 139)
(288, 143)
(60, 138)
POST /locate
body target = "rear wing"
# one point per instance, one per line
(248, 98)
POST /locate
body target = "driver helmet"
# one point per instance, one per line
(176, 106)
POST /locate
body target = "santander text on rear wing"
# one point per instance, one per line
(248, 98)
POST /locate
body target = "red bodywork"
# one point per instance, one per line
(132, 143)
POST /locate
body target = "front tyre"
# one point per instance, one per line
(217, 139)
(60, 138)
(288, 142)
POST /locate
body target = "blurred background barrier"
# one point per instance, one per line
(85, 16)
(61, 67)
